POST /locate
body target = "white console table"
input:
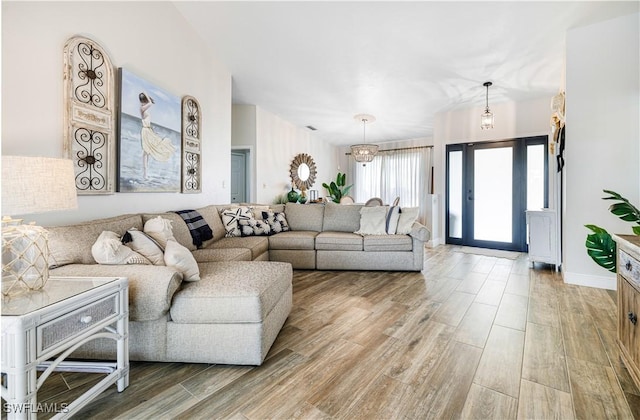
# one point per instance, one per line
(543, 237)
(41, 329)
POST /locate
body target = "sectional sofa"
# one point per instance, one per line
(234, 312)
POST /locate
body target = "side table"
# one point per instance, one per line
(41, 329)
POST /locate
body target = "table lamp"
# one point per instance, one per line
(31, 185)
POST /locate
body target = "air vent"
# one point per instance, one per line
(312, 128)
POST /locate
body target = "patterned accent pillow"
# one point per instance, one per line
(254, 227)
(277, 221)
(231, 217)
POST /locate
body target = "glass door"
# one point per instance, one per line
(489, 187)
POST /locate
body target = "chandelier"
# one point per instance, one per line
(364, 152)
(486, 119)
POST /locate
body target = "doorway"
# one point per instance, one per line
(239, 175)
(490, 186)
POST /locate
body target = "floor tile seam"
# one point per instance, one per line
(566, 356)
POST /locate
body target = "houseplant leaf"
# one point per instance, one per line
(624, 210)
(601, 247)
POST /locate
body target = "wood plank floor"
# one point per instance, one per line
(471, 337)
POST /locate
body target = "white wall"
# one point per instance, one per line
(243, 137)
(149, 38)
(603, 137)
(512, 120)
(277, 143)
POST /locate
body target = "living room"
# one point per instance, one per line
(153, 39)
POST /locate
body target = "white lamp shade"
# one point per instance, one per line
(37, 185)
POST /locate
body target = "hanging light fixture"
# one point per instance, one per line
(364, 152)
(486, 119)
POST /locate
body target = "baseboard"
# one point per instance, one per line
(432, 243)
(601, 282)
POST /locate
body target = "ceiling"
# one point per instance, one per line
(321, 63)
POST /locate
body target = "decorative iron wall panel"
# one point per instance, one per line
(89, 113)
(191, 146)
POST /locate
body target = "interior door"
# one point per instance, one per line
(489, 187)
(238, 176)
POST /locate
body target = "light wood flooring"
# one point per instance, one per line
(470, 337)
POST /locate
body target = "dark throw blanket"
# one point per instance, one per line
(198, 227)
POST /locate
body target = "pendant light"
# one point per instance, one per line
(486, 119)
(364, 152)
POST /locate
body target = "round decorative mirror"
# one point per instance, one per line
(303, 171)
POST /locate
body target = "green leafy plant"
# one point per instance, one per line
(337, 188)
(600, 245)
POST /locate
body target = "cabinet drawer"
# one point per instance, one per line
(629, 268)
(76, 322)
(628, 326)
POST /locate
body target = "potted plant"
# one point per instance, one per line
(337, 188)
(600, 245)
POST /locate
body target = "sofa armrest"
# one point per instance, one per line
(151, 287)
(420, 232)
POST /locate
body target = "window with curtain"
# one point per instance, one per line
(404, 173)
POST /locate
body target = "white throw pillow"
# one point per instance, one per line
(180, 258)
(159, 229)
(147, 246)
(393, 217)
(109, 250)
(408, 215)
(373, 220)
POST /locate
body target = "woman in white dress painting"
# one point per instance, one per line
(153, 145)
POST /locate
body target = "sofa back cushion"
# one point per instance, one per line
(304, 216)
(341, 218)
(212, 217)
(72, 244)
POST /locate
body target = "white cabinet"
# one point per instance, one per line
(543, 237)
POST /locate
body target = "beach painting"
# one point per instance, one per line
(149, 139)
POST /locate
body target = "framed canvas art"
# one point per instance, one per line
(149, 137)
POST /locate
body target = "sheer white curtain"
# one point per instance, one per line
(404, 173)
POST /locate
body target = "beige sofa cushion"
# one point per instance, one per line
(343, 241)
(341, 218)
(222, 254)
(293, 240)
(258, 245)
(232, 293)
(72, 244)
(388, 243)
(212, 217)
(304, 216)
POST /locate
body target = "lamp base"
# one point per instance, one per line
(25, 257)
